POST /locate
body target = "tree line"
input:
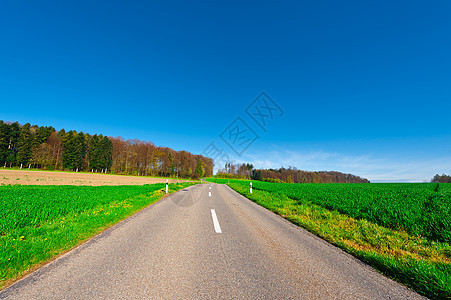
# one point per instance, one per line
(288, 175)
(441, 178)
(43, 147)
(144, 158)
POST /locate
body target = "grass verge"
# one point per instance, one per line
(37, 223)
(421, 264)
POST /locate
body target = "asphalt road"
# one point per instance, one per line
(195, 246)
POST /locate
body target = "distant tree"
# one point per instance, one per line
(42, 134)
(25, 146)
(11, 152)
(55, 142)
(199, 171)
(171, 161)
(256, 175)
(80, 151)
(106, 153)
(94, 153)
(43, 156)
(441, 178)
(100, 153)
(119, 155)
(69, 150)
(74, 145)
(4, 141)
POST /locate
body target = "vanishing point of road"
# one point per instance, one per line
(206, 242)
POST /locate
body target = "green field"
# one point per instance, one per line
(420, 209)
(39, 222)
(403, 230)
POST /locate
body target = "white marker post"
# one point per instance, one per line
(167, 184)
(251, 187)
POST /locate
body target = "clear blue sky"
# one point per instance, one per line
(365, 87)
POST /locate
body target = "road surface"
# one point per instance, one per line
(206, 242)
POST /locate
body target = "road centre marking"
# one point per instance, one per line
(215, 221)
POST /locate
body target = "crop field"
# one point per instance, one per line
(420, 209)
(403, 230)
(40, 222)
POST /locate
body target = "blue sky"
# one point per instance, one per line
(364, 87)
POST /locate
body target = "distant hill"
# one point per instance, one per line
(290, 175)
(299, 176)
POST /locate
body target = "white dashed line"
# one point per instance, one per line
(209, 194)
(215, 221)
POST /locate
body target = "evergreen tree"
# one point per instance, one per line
(14, 143)
(68, 145)
(69, 148)
(42, 134)
(61, 134)
(106, 153)
(256, 175)
(94, 153)
(4, 141)
(25, 148)
(80, 151)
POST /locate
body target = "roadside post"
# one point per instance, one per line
(251, 187)
(167, 183)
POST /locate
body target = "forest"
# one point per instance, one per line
(43, 147)
(288, 175)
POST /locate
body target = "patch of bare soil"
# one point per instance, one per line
(26, 177)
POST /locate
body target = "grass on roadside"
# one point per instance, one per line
(417, 262)
(39, 222)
